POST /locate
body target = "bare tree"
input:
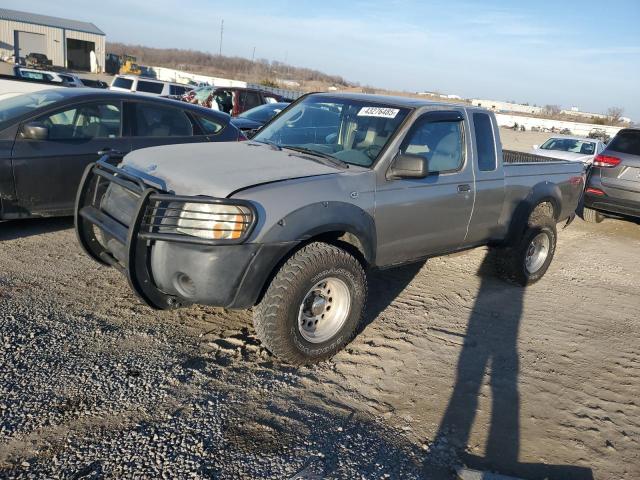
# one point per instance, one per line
(615, 114)
(552, 110)
(216, 65)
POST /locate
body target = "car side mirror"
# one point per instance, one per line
(35, 131)
(407, 165)
(536, 147)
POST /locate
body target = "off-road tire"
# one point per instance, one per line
(592, 216)
(275, 318)
(511, 260)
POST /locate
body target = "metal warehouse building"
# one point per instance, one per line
(67, 43)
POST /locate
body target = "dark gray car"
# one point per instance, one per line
(614, 182)
(47, 138)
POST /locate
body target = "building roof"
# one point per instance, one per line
(37, 19)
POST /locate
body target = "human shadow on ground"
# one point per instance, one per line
(14, 229)
(385, 286)
(491, 348)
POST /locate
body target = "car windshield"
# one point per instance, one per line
(263, 113)
(15, 106)
(570, 145)
(349, 131)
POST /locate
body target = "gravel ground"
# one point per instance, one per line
(452, 366)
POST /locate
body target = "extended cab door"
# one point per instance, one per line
(420, 217)
(489, 176)
(47, 171)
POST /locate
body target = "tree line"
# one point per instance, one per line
(260, 70)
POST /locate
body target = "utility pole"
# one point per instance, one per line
(221, 34)
(253, 55)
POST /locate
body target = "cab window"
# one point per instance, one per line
(441, 143)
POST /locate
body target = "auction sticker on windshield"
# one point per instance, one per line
(378, 112)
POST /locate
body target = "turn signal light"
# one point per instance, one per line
(606, 161)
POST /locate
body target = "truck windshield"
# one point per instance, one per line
(351, 131)
(15, 106)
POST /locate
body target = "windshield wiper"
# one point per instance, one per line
(271, 143)
(333, 160)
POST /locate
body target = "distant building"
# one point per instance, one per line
(67, 43)
(498, 106)
(576, 112)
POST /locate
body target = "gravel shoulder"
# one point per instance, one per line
(452, 366)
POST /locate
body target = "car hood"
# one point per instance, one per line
(219, 169)
(245, 123)
(574, 157)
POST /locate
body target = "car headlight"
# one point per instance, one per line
(214, 221)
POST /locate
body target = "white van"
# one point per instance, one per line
(148, 86)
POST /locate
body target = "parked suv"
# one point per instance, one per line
(148, 86)
(614, 182)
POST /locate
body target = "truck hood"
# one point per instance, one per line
(219, 169)
(574, 157)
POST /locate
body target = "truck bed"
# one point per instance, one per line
(524, 172)
(514, 157)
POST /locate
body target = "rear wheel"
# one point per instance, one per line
(592, 216)
(313, 306)
(526, 262)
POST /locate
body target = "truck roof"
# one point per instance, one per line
(392, 100)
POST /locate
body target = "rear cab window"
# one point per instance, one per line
(485, 142)
(626, 141)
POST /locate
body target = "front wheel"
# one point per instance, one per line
(313, 306)
(528, 261)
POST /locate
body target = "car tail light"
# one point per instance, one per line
(595, 191)
(606, 161)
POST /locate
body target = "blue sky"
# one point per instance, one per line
(567, 52)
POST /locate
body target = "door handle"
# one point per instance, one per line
(106, 151)
(465, 187)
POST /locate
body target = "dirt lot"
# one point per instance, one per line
(453, 366)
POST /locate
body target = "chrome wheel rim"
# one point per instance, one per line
(324, 310)
(537, 253)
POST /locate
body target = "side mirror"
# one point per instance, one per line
(407, 165)
(535, 147)
(35, 131)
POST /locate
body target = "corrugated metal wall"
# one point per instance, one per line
(55, 40)
(55, 45)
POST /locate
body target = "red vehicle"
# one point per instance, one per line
(231, 100)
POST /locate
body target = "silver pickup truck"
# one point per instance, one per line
(289, 222)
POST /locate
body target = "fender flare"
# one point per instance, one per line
(540, 193)
(326, 217)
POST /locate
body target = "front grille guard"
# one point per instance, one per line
(155, 219)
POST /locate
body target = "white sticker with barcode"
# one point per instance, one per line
(381, 112)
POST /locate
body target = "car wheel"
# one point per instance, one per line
(313, 306)
(526, 262)
(592, 216)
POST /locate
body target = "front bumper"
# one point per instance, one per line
(165, 268)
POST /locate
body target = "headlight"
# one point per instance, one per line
(214, 221)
